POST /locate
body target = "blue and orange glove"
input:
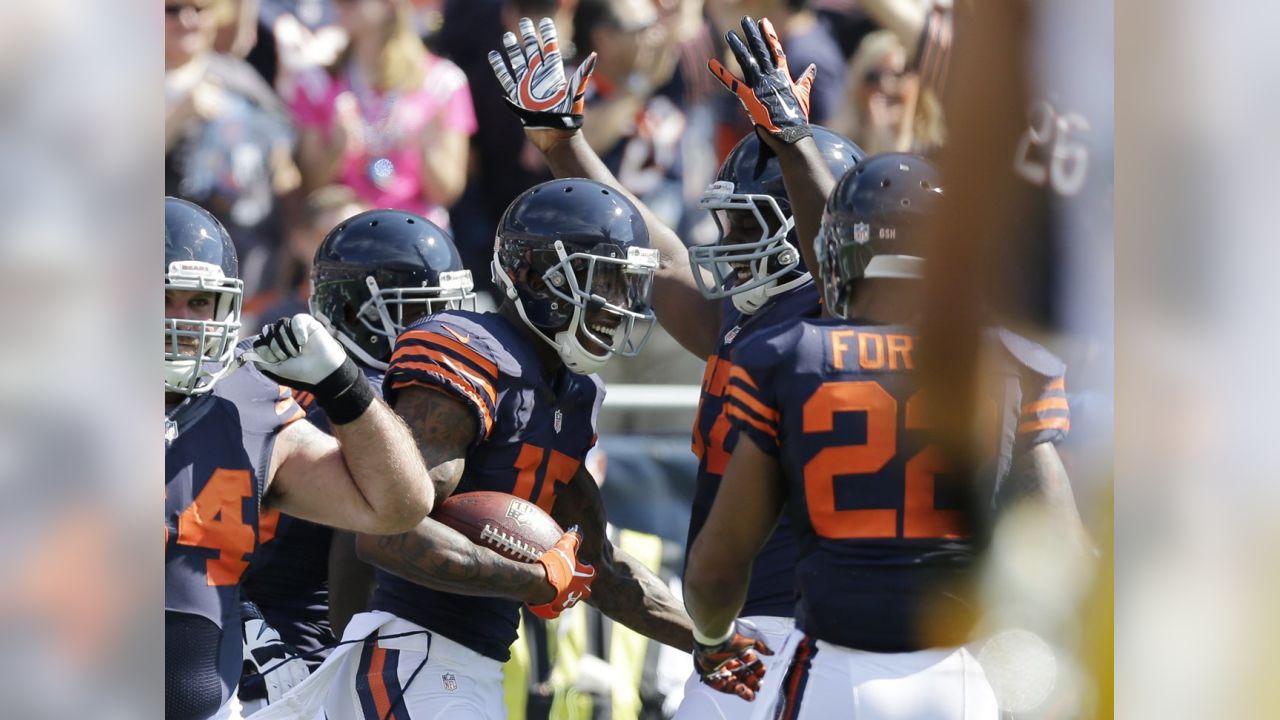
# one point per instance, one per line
(776, 103)
(733, 665)
(570, 578)
(536, 87)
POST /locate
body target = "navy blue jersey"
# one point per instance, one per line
(882, 527)
(289, 578)
(216, 467)
(772, 588)
(531, 438)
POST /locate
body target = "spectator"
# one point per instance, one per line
(388, 119)
(504, 164)
(887, 109)
(228, 141)
(635, 129)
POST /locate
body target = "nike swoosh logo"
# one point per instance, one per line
(465, 340)
(785, 107)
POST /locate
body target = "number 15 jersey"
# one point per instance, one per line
(881, 522)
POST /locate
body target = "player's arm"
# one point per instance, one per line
(1039, 475)
(742, 518)
(366, 477)
(437, 556)
(779, 108)
(433, 554)
(555, 129)
(351, 582)
(624, 589)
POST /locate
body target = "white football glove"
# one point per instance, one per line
(536, 87)
(269, 662)
(297, 351)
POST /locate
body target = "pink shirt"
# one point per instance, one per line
(444, 93)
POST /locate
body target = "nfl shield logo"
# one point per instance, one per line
(450, 681)
(733, 333)
(861, 232)
(559, 420)
(519, 511)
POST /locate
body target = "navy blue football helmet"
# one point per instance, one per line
(574, 257)
(873, 224)
(377, 272)
(199, 257)
(750, 182)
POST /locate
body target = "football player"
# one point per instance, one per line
(374, 273)
(506, 401)
(235, 442)
(836, 431)
(708, 298)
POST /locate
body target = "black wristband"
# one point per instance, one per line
(793, 134)
(345, 394)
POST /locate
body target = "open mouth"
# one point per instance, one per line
(604, 333)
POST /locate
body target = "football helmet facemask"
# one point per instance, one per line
(749, 185)
(574, 258)
(199, 257)
(379, 271)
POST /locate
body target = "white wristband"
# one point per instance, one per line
(704, 640)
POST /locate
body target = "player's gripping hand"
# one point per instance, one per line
(774, 101)
(300, 353)
(570, 578)
(271, 666)
(733, 666)
(536, 86)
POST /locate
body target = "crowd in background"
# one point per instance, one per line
(283, 116)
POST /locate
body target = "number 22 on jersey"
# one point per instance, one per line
(920, 519)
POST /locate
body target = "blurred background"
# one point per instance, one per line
(285, 116)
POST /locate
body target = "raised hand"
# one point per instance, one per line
(774, 101)
(535, 84)
(732, 666)
(570, 578)
(300, 353)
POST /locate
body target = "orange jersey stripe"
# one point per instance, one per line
(1054, 403)
(479, 360)
(486, 420)
(733, 411)
(378, 686)
(1059, 384)
(740, 395)
(736, 372)
(1053, 423)
(440, 360)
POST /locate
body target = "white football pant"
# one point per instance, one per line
(829, 681)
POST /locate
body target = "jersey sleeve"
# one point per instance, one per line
(1045, 416)
(456, 362)
(265, 406)
(750, 400)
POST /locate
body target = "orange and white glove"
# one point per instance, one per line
(570, 578)
(536, 87)
(776, 103)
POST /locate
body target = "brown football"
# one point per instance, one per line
(504, 523)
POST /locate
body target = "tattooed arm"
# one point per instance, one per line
(436, 555)
(444, 428)
(624, 589)
(441, 558)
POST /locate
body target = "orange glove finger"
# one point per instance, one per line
(728, 79)
(587, 67)
(803, 87)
